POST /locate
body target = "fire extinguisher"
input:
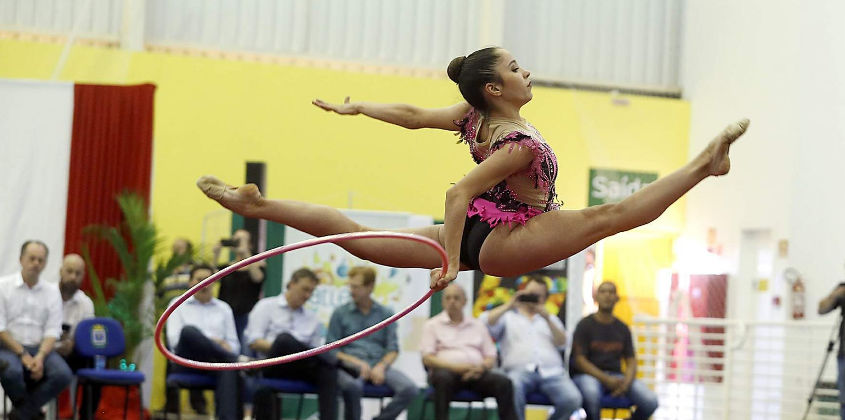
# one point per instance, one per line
(798, 299)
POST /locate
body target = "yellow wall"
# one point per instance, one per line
(631, 261)
(214, 115)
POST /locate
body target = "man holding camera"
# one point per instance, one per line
(242, 288)
(531, 341)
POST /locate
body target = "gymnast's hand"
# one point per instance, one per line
(343, 109)
(440, 280)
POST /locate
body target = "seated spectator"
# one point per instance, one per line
(459, 354)
(203, 329)
(172, 287)
(76, 306)
(531, 342)
(30, 324)
(600, 344)
(281, 325)
(182, 246)
(372, 355)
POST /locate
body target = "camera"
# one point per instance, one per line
(231, 242)
(528, 298)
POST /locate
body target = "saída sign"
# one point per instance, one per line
(611, 186)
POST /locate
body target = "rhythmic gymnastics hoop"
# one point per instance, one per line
(281, 250)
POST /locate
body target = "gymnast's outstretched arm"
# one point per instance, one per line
(403, 115)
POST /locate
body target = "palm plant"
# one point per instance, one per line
(136, 241)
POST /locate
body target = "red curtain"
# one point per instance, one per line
(110, 152)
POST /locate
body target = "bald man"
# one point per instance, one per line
(459, 353)
(76, 305)
(600, 345)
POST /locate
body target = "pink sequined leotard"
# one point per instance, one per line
(522, 195)
(518, 197)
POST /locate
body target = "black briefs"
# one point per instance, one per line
(475, 232)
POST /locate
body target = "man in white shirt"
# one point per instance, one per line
(30, 323)
(203, 329)
(530, 341)
(280, 325)
(76, 305)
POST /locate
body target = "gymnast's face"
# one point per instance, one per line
(515, 87)
(199, 275)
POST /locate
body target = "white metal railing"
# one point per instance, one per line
(608, 43)
(706, 368)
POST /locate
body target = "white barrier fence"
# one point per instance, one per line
(709, 368)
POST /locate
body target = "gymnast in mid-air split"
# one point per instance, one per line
(503, 217)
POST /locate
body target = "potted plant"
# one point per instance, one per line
(137, 301)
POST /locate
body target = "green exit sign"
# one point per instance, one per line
(611, 186)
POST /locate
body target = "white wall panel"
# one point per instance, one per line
(99, 19)
(622, 43)
(601, 42)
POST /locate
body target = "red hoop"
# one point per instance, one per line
(281, 250)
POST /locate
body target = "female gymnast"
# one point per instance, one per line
(502, 217)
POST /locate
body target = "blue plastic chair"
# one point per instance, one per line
(287, 386)
(189, 380)
(616, 403)
(104, 337)
(299, 387)
(607, 401)
(463, 395)
(377, 391)
(537, 398)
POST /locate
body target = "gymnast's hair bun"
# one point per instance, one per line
(455, 67)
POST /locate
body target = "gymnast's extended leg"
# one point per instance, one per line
(320, 220)
(556, 235)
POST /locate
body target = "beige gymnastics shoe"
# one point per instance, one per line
(720, 162)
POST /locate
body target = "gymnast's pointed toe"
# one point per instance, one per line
(212, 186)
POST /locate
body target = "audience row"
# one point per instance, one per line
(458, 351)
